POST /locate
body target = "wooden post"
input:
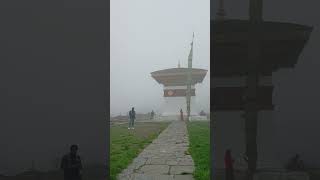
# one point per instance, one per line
(254, 59)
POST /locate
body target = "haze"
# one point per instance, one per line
(147, 36)
(296, 93)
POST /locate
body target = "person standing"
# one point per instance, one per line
(181, 115)
(132, 117)
(228, 161)
(295, 163)
(71, 164)
(152, 115)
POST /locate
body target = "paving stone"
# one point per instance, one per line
(156, 161)
(138, 162)
(152, 177)
(155, 169)
(172, 162)
(183, 177)
(164, 155)
(185, 161)
(181, 169)
(124, 176)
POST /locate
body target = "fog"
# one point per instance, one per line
(296, 93)
(53, 83)
(147, 36)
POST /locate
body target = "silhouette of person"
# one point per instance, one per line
(152, 114)
(181, 115)
(228, 161)
(132, 117)
(71, 164)
(295, 163)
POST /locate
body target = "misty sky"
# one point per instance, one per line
(147, 36)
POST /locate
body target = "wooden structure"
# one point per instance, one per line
(253, 49)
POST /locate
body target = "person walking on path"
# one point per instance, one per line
(228, 161)
(71, 164)
(181, 115)
(132, 117)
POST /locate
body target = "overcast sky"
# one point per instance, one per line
(150, 35)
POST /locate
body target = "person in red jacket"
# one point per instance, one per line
(228, 161)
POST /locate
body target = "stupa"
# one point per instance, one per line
(175, 83)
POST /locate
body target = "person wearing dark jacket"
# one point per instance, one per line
(132, 117)
(152, 115)
(295, 163)
(181, 115)
(228, 161)
(71, 164)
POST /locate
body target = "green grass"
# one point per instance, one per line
(199, 137)
(127, 144)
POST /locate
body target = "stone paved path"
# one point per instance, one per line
(164, 159)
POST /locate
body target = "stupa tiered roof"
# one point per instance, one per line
(281, 44)
(178, 76)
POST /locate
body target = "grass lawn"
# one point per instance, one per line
(127, 144)
(199, 137)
